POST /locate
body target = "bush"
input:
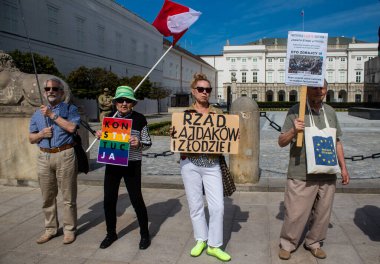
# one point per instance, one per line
(160, 129)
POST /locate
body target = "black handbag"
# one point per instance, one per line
(228, 181)
(82, 159)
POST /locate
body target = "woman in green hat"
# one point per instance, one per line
(140, 140)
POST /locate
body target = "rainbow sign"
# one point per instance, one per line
(114, 143)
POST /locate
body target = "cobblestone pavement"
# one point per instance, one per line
(252, 224)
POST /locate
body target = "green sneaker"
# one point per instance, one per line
(218, 253)
(198, 249)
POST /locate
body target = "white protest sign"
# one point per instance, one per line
(208, 133)
(306, 58)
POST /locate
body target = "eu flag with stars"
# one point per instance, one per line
(324, 151)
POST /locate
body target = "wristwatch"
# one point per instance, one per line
(55, 117)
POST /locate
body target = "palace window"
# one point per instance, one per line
(254, 78)
(358, 76)
(342, 77)
(282, 76)
(269, 77)
(243, 77)
(330, 76)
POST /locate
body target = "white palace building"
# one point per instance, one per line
(259, 70)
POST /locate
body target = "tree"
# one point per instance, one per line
(89, 83)
(44, 64)
(144, 89)
(159, 93)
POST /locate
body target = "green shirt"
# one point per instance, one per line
(297, 160)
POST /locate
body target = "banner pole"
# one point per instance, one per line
(301, 114)
(154, 66)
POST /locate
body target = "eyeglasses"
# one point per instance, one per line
(122, 100)
(54, 89)
(202, 89)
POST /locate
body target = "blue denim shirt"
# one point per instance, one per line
(60, 136)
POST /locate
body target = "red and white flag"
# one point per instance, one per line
(175, 19)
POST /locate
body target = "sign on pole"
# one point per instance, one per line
(306, 58)
(114, 143)
(205, 133)
(305, 65)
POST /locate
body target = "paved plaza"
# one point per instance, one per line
(252, 219)
(251, 229)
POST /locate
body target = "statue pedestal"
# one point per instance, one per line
(18, 158)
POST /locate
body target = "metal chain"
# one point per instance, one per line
(276, 127)
(352, 158)
(271, 123)
(361, 157)
(155, 155)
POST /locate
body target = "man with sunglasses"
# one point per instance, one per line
(51, 127)
(140, 140)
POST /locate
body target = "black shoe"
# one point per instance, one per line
(144, 242)
(108, 241)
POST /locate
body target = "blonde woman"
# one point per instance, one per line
(199, 170)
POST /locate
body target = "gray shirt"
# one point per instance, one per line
(297, 160)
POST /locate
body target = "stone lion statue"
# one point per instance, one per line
(19, 88)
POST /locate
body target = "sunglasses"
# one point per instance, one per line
(122, 100)
(202, 89)
(54, 89)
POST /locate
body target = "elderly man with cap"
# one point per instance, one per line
(140, 140)
(105, 104)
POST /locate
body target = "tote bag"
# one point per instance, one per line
(320, 147)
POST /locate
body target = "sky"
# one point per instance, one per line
(245, 21)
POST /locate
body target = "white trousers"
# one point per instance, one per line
(193, 177)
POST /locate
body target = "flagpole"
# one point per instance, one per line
(154, 66)
(303, 20)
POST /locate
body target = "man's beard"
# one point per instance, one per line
(53, 98)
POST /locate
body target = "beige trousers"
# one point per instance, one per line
(58, 170)
(306, 203)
